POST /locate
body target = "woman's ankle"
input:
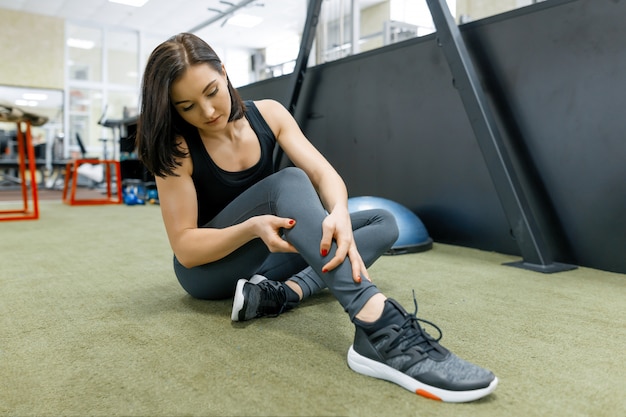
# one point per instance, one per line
(373, 309)
(295, 288)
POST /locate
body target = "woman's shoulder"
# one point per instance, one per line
(268, 105)
(272, 111)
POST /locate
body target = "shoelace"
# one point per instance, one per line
(412, 334)
(273, 296)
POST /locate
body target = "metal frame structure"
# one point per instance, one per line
(26, 164)
(297, 77)
(530, 239)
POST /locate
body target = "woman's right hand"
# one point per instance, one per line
(268, 228)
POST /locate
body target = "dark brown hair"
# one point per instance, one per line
(159, 123)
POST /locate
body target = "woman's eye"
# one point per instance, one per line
(188, 108)
(214, 92)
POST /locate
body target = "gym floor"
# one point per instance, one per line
(14, 193)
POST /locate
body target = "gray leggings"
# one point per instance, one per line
(289, 193)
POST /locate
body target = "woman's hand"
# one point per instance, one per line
(338, 227)
(329, 185)
(268, 228)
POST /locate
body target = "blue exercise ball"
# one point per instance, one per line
(413, 236)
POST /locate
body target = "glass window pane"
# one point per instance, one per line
(237, 63)
(85, 112)
(42, 102)
(280, 58)
(468, 11)
(336, 21)
(149, 43)
(84, 53)
(122, 57)
(372, 25)
(121, 104)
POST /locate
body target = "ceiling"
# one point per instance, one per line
(164, 18)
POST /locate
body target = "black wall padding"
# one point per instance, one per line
(393, 125)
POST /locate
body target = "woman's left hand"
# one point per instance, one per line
(338, 227)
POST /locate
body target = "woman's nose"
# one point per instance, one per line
(208, 109)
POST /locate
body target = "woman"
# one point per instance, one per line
(269, 239)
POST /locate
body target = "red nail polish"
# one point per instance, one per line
(324, 252)
(324, 270)
(292, 221)
(358, 280)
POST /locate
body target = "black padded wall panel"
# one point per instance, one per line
(393, 125)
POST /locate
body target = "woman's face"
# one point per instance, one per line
(202, 98)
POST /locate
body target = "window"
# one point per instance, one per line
(85, 109)
(122, 57)
(84, 47)
(102, 83)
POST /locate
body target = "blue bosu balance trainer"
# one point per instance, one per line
(413, 236)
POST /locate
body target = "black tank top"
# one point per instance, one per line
(215, 187)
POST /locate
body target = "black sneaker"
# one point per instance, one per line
(408, 356)
(259, 297)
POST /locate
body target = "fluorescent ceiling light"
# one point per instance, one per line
(35, 96)
(134, 3)
(245, 20)
(28, 103)
(80, 43)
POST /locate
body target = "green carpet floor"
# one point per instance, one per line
(93, 323)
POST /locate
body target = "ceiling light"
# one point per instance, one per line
(35, 96)
(80, 43)
(28, 103)
(244, 20)
(134, 3)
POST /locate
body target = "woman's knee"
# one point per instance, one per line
(295, 184)
(293, 175)
(389, 225)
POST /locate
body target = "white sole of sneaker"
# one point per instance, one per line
(238, 300)
(369, 367)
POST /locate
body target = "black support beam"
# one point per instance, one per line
(530, 239)
(297, 77)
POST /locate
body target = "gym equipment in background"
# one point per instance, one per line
(26, 161)
(111, 175)
(413, 236)
(136, 192)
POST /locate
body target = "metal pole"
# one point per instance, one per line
(308, 35)
(356, 25)
(297, 77)
(536, 254)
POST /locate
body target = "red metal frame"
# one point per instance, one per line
(71, 174)
(25, 149)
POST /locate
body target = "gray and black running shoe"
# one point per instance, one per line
(408, 356)
(259, 297)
